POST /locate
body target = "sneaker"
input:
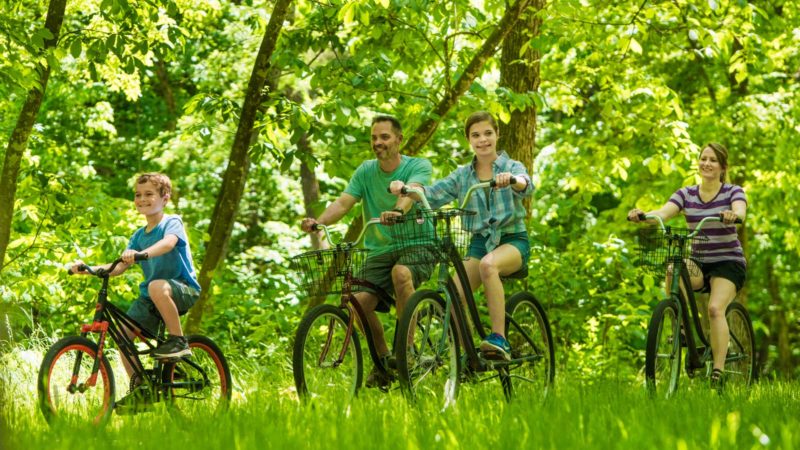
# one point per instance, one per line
(174, 347)
(496, 346)
(718, 380)
(138, 398)
(379, 379)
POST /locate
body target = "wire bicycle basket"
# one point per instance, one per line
(323, 272)
(658, 248)
(427, 236)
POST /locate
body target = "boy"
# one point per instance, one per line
(170, 285)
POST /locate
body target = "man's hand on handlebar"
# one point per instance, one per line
(307, 224)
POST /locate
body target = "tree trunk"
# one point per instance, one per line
(520, 74)
(235, 177)
(426, 129)
(19, 137)
(165, 89)
(780, 326)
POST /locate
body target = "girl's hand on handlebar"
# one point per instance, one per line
(728, 217)
(504, 179)
(396, 187)
(633, 215)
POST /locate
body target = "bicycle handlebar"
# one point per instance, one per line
(697, 229)
(101, 272)
(321, 227)
(493, 183)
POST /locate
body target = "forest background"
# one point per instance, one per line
(260, 111)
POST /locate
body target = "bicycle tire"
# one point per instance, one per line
(740, 363)
(662, 364)
(427, 351)
(55, 374)
(185, 387)
(322, 365)
(538, 374)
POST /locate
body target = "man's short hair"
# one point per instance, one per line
(161, 181)
(396, 127)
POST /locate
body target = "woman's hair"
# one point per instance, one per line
(722, 157)
(479, 116)
(160, 180)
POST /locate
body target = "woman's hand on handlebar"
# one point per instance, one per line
(635, 214)
(307, 224)
(728, 217)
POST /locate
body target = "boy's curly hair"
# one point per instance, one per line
(159, 179)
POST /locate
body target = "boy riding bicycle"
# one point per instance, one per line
(170, 285)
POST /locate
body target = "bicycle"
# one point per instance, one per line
(326, 357)
(676, 321)
(429, 336)
(76, 379)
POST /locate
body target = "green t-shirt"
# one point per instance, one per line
(369, 184)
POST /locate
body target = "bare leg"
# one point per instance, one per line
(723, 292)
(472, 268)
(504, 260)
(368, 303)
(161, 294)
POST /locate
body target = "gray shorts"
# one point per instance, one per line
(378, 271)
(145, 313)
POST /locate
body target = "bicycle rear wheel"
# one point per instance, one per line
(532, 351)
(327, 357)
(64, 378)
(427, 349)
(662, 364)
(199, 384)
(740, 364)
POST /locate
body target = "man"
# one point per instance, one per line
(384, 267)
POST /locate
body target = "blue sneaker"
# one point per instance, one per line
(496, 347)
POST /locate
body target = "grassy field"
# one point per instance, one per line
(594, 414)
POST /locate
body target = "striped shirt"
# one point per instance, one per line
(499, 211)
(723, 243)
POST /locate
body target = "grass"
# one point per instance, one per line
(593, 414)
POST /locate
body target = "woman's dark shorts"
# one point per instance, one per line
(730, 270)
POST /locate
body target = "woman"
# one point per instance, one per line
(722, 266)
(499, 244)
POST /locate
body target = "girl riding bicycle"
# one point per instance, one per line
(499, 244)
(722, 266)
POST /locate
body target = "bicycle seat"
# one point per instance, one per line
(521, 274)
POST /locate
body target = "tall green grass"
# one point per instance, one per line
(265, 414)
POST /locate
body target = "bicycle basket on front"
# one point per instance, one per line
(426, 236)
(656, 248)
(321, 272)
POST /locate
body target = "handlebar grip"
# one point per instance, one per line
(141, 256)
(316, 227)
(81, 268)
(513, 180)
(738, 220)
(403, 190)
(641, 216)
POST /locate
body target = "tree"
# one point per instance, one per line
(238, 168)
(27, 117)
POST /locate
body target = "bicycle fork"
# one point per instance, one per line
(94, 327)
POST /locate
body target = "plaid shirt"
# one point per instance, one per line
(499, 211)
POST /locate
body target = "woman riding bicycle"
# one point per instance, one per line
(720, 260)
(499, 244)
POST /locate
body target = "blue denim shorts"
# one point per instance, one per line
(145, 313)
(477, 246)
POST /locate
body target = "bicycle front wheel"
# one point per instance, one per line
(67, 389)
(740, 364)
(427, 349)
(327, 355)
(532, 352)
(662, 364)
(200, 384)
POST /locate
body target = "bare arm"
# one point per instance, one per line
(738, 211)
(332, 213)
(666, 212)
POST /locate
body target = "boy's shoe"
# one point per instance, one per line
(496, 347)
(174, 347)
